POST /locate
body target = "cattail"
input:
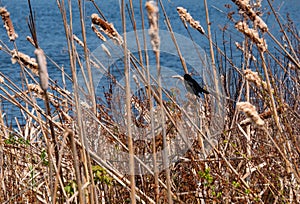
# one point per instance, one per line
(152, 10)
(39, 93)
(252, 34)
(254, 78)
(267, 114)
(8, 24)
(186, 17)
(97, 32)
(78, 40)
(42, 64)
(107, 28)
(260, 23)
(35, 88)
(25, 60)
(250, 112)
(244, 5)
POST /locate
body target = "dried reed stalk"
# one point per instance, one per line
(294, 58)
(26, 60)
(128, 109)
(173, 38)
(107, 28)
(8, 24)
(152, 10)
(149, 94)
(248, 54)
(186, 17)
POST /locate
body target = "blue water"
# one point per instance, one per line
(51, 35)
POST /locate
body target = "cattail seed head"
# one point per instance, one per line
(152, 10)
(245, 7)
(186, 17)
(250, 112)
(252, 34)
(36, 89)
(255, 78)
(97, 32)
(43, 71)
(107, 28)
(8, 24)
(27, 61)
(38, 92)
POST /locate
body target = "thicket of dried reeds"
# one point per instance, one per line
(256, 158)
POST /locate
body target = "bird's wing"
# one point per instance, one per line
(197, 88)
(192, 86)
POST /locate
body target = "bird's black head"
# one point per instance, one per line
(187, 77)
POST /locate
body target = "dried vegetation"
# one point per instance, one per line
(54, 158)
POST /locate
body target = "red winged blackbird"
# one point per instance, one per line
(192, 86)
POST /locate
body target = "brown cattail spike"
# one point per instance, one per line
(97, 32)
(38, 92)
(244, 6)
(8, 24)
(152, 10)
(255, 78)
(27, 61)
(252, 34)
(186, 17)
(42, 64)
(107, 28)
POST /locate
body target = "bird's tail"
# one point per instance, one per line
(205, 91)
